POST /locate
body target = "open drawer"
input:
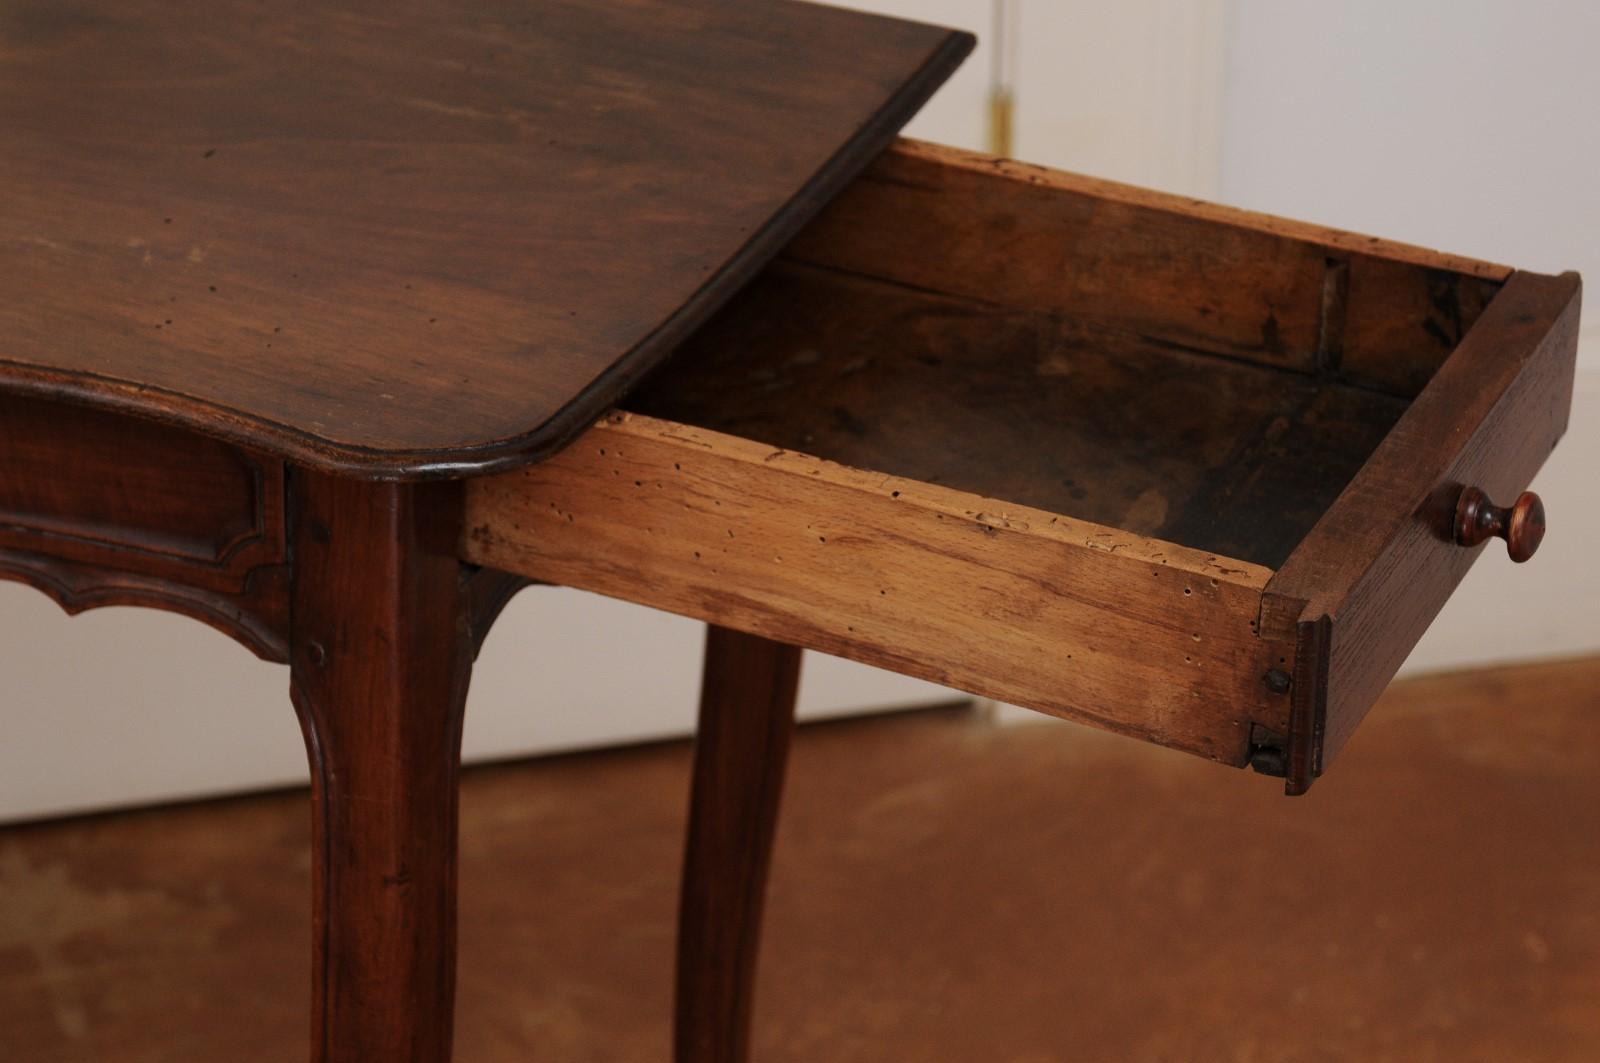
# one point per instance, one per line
(1176, 470)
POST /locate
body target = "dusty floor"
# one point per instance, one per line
(944, 891)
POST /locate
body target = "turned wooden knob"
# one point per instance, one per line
(1520, 524)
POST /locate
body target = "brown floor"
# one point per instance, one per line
(945, 890)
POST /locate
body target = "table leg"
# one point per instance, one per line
(380, 657)
(746, 720)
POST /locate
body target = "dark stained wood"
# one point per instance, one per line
(488, 592)
(1521, 524)
(382, 651)
(1369, 578)
(747, 701)
(403, 240)
(99, 509)
(1164, 268)
(84, 476)
(1037, 408)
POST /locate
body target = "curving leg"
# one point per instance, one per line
(380, 655)
(746, 720)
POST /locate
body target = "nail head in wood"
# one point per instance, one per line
(1521, 524)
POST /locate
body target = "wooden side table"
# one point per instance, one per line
(318, 322)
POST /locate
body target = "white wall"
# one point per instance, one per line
(125, 706)
(1130, 90)
(1466, 126)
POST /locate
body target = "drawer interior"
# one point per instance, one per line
(1149, 464)
(1182, 372)
(1226, 456)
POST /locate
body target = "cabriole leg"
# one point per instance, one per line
(380, 657)
(741, 749)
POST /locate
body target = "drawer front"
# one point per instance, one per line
(101, 508)
(1364, 585)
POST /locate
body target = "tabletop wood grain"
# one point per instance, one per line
(396, 240)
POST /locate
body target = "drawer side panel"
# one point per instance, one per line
(1168, 269)
(1072, 619)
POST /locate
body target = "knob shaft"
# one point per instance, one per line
(1520, 524)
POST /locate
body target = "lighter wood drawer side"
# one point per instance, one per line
(1166, 468)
